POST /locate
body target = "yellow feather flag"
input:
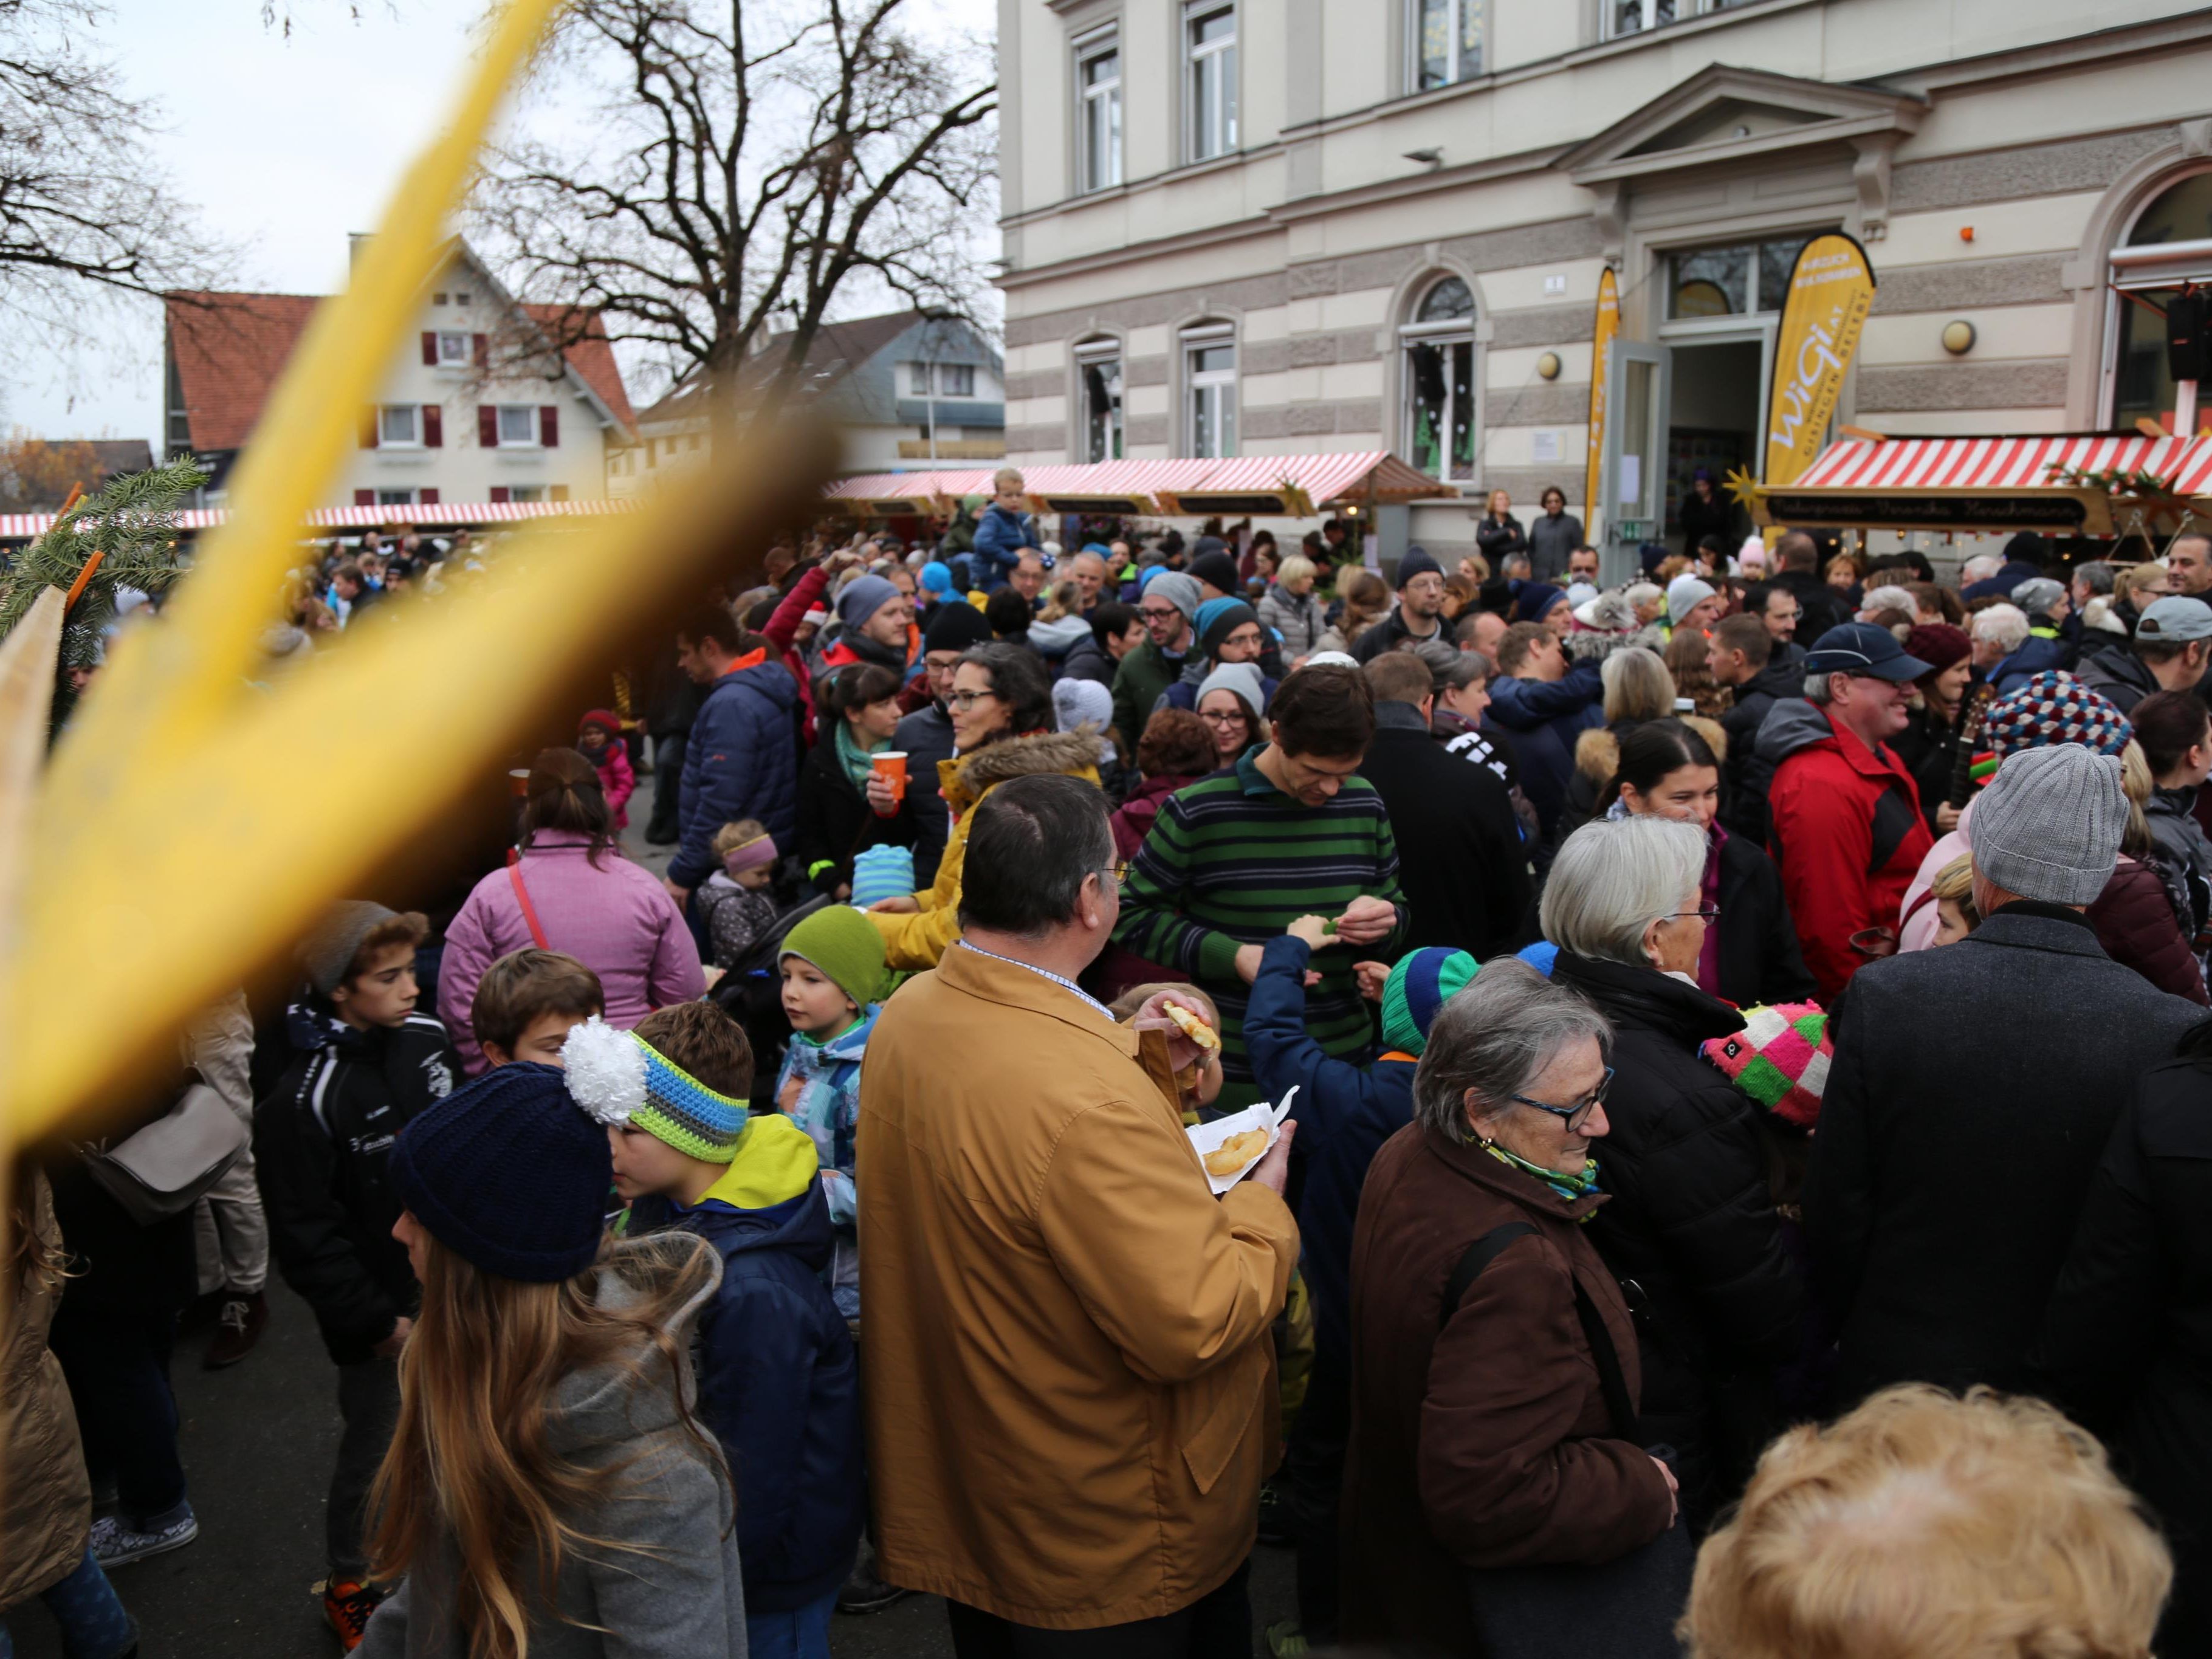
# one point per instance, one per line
(1831, 291)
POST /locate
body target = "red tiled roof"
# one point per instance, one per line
(230, 348)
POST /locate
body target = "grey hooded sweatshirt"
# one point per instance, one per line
(669, 1587)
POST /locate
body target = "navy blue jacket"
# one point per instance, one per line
(1546, 717)
(780, 1387)
(2033, 658)
(1344, 1113)
(741, 761)
(1001, 535)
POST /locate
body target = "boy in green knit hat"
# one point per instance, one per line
(833, 967)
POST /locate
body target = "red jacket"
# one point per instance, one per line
(783, 628)
(1846, 833)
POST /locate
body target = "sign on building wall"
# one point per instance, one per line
(1831, 290)
(1601, 337)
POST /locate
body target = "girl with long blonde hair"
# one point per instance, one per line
(548, 1494)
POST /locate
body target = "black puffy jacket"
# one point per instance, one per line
(2127, 1340)
(1743, 806)
(1692, 1224)
(322, 1142)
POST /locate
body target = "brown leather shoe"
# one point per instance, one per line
(237, 1328)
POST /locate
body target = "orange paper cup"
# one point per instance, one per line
(890, 767)
(518, 778)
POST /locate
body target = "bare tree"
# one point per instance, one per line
(755, 161)
(81, 199)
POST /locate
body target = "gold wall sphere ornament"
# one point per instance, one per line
(1959, 338)
(1548, 365)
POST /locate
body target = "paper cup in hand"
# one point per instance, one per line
(890, 767)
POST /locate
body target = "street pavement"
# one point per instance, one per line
(258, 1441)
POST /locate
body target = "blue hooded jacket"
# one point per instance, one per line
(2035, 656)
(1344, 1114)
(1545, 718)
(741, 761)
(779, 1381)
(1001, 535)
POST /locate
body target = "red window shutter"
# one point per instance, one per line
(429, 350)
(558, 492)
(499, 492)
(482, 344)
(549, 426)
(428, 495)
(364, 498)
(434, 426)
(488, 425)
(368, 428)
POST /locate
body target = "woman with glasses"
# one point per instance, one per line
(1230, 701)
(1494, 1405)
(1666, 768)
(1693, 1227)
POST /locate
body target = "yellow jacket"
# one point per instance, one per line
(1070, 1384)
(916, 941)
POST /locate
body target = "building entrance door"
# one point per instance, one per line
(1712, 423)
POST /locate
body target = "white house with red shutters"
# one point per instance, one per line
(492, 401)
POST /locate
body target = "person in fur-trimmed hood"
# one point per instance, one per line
(1002, 720)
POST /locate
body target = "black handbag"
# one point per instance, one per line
(1625, 1608)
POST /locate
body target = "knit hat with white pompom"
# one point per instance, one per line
(621, 1079)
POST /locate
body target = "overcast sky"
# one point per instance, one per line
(285, 145)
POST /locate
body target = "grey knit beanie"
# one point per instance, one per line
(328, 950)
(1178, 590)
(2048, 826)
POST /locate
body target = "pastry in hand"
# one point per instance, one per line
(1233, 1153)
(1192, 1027)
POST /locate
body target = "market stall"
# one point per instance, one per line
(433, 516)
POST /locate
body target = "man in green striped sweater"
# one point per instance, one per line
(1290, 830)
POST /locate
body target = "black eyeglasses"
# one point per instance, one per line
(1708, 914)
(1578, 1114)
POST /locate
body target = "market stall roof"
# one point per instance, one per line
(22, 526)
(2016, 483)
(1298, 486)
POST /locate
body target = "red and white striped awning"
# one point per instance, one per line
(22, 526)
(2019, 463)
(1304, 483)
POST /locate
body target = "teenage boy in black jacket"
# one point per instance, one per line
(364, 1063)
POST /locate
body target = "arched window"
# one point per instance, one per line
(2169, 243)
(1438, 349)
(1099, 366)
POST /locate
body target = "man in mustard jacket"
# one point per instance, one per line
(1070, 1383)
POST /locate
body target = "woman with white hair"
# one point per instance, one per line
(1692, 1223)
(1494, 1413)
(2006, 655)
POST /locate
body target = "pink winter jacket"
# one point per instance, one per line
(617, 782)
(618, 920)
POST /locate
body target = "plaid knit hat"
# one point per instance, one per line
(1780, 1059)
(620, 1078)
(2052, 708)
(1418, 985)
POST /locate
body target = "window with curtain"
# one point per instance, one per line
(1447, 36)
(1439, 371)
(1099, 366)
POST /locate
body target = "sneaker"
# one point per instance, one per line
(243, 1315)
(347, 1604)
(865, 1593)
(1285, 1640)
(115, 1542)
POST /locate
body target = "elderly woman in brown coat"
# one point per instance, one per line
(1482, 1437)
(46, 1497)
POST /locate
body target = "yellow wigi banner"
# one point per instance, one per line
(1831, 291)
(1601, 339)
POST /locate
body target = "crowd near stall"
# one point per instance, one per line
(1616, 1115)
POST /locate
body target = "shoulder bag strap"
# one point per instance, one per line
(1479, 1254)
(522, 897)
(1614, 1386)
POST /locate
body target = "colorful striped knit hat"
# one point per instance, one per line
(621, 1079)
(1780, 1059)
(2051, 707)
(1418, 985)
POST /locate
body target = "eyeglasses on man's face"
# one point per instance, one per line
(1708, 914)
(1576, 1112)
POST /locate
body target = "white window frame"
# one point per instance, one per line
(529, 412)
(1104, 356)
(2149, 265)
(1647, 11)
(459, 355)
(1098, 157)
(414, 438)
(1457, 10)
(949, 376)
(1214, 62)
(917, 377)
(395, 496)
(1444, 332)
(1212, 390)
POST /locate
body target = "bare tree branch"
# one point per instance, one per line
(756, 163)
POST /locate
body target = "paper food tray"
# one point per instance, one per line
(1207, 1137)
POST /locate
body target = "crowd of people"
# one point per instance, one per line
(1725, 1047)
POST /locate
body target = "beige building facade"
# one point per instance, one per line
(1283, 226)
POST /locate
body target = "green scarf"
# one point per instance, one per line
(853, 758)
(1569, 1187)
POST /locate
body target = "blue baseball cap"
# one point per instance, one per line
(1863, 648)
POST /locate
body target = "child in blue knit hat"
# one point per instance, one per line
(779, 1382)
(833, 967)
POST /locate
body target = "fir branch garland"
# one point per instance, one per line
(131, 524)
